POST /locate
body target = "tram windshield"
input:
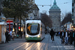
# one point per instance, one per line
(33, 28)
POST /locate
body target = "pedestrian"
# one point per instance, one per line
(60, 34)
(66, 37)
(62, 37)
(13, 34)
(7, 36)
(10, 33)
(45, 31)
(52, 33)
(20, 33)
(24, 33)
(74, 37)
(71, 37)
(57, 33)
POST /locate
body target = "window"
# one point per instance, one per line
(33, 28)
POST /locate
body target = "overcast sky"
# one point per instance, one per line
(64, 5)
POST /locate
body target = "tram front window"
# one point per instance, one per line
(32, 28)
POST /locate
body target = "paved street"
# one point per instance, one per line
(45, 44)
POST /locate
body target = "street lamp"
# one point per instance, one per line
(72, 26)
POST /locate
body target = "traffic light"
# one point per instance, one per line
(19, 28)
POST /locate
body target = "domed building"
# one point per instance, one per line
(54, 14)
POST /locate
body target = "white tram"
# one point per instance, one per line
(34, 30)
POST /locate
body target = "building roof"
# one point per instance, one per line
(3, 23)
(54, 6)
(2, 16)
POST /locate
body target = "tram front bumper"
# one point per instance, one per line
(33, 38)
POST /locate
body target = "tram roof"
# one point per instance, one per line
(34, 21)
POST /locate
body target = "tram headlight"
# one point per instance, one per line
(38, 36)
(26, 35)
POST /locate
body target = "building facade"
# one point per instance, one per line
(54, 14)
(35, 12)
(73, 11)
(2, 17)
(0, 7)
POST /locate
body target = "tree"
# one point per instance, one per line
(46, 20)
(16, 8)
(68, 18)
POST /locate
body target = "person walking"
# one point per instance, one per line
(62, 37)
(71, 37)
(13, 34)
(24, 34)
(66, 37)
(20, 33)
(10, 33)
(7, 36)
(60, 34)
(74, 37)
(52, 33)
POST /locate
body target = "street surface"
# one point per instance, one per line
(45, 44)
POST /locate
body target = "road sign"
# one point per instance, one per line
(9, 21)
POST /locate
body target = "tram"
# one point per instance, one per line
(34, 30)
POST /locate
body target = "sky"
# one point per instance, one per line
(64, 5)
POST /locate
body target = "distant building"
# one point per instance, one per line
(0, 7)
(73, 11)
(54, 14)
(35, 11)
(2, 17)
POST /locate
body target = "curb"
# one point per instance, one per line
(1, 42)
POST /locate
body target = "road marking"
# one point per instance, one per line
(19, 47)
(23, 45)
(30, 46)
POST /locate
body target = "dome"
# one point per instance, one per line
(54, 6)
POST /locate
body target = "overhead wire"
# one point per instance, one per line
(51, 4)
